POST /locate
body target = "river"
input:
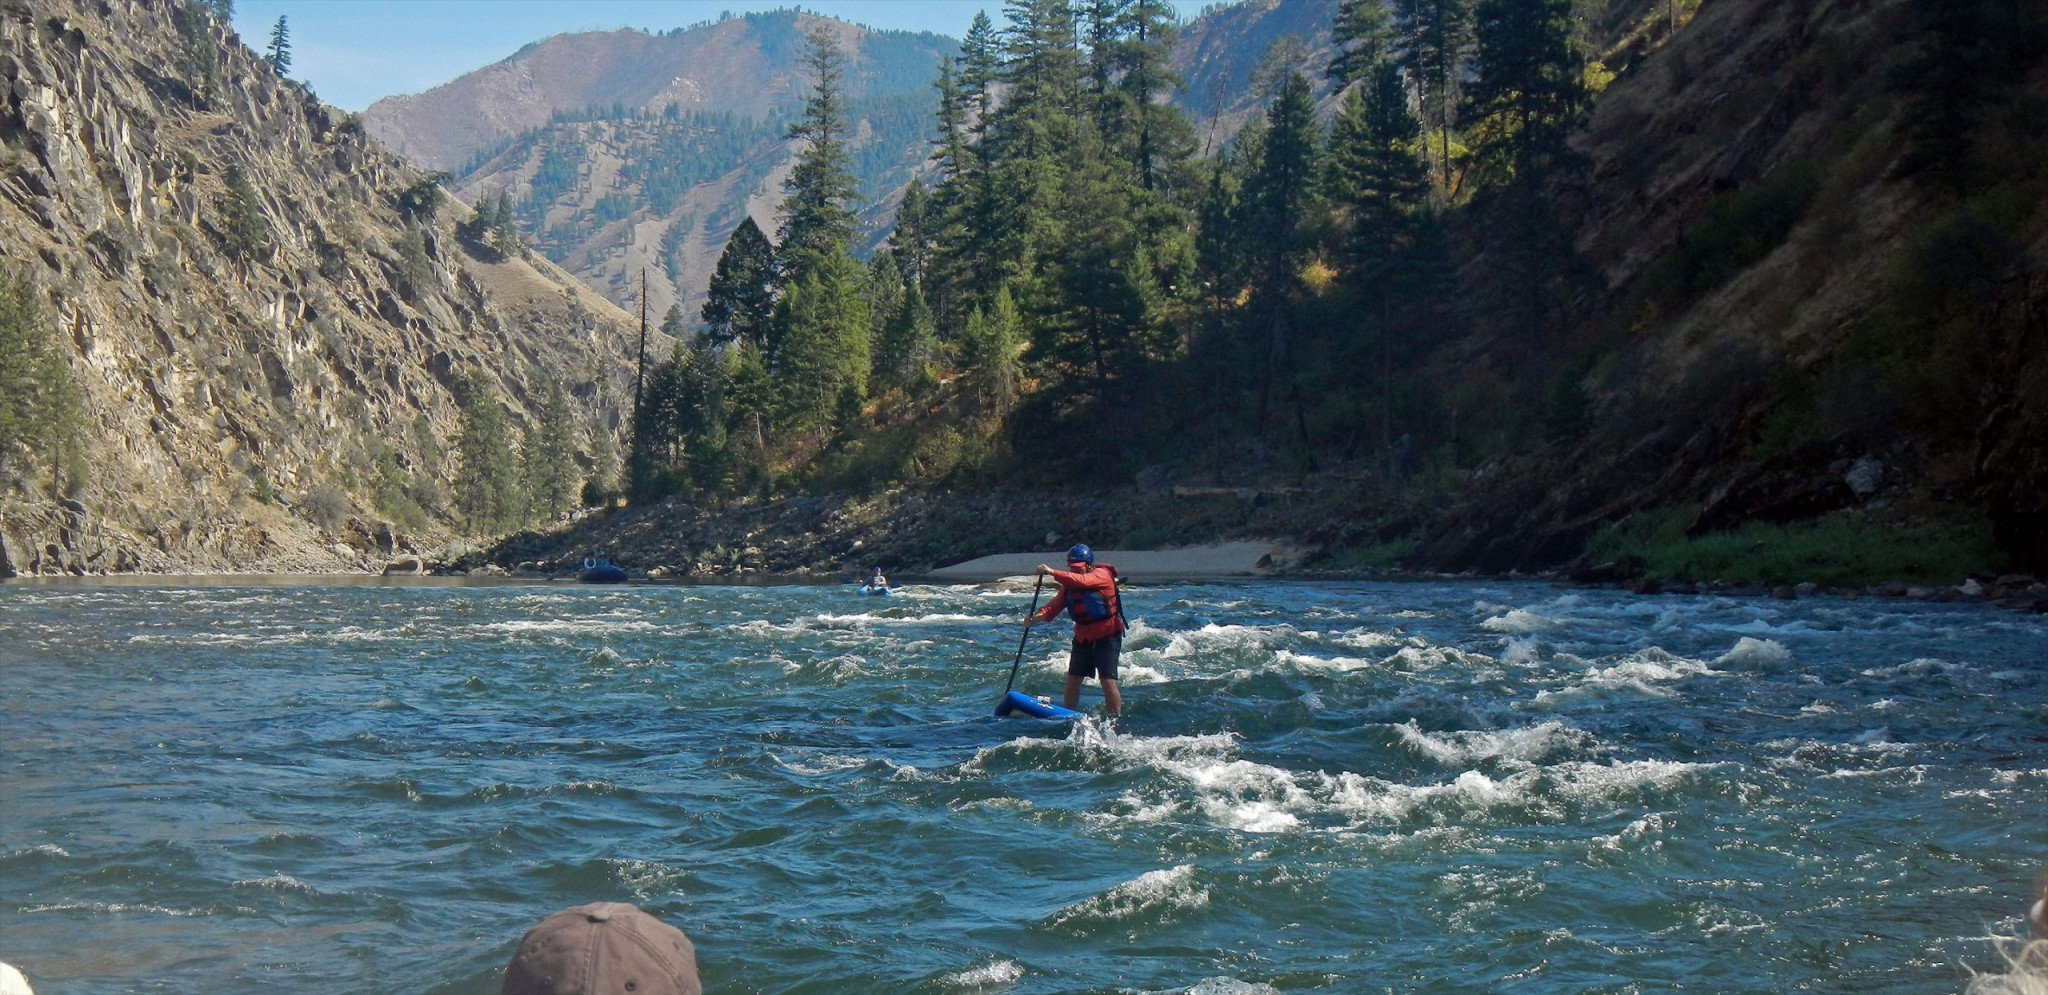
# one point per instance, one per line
(1333, 787)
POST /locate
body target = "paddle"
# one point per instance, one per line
(1035, 592)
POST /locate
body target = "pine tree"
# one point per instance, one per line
(818, 219)
(39, 399)
(904, 351)
(503, 232)
(1961, 57)
(279, 52)
(487, 491)
(1372, 172)
(243, 229)
(910, 243)
(198, 55)
(990, 343)
(1528, 86)
(823, 355)
(1387, 252)
(1280, 188)
(739, 306)
(1430, 42)
(548, 456)
(1361, 34)
(1527, 90)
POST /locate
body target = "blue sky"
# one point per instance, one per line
(355, 51)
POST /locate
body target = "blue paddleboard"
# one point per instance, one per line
(1018, 703)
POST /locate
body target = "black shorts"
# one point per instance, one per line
(1096, 659)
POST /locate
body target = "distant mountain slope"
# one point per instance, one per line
(265, 314)
(743, 66)
(647, 165)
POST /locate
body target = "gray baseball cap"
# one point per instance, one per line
(605, 948)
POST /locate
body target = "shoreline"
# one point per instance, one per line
(1238, 560)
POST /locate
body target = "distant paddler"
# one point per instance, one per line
(1088, 593)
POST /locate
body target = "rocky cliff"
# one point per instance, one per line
(249, 385)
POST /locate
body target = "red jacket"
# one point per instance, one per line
(1100, 578)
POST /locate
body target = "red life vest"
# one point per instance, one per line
(1089, 597)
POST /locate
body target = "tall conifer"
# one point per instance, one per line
(817, 214)
(739, 305)
(1431, 39)
(279, 52)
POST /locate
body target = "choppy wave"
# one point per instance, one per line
(1152, 895)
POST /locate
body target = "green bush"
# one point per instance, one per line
(1839, 550)
(1736, 231)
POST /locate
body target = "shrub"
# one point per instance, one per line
(326, 505)
(1843, 550)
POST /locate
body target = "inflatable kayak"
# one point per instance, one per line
(872, 589)
(1017, 703)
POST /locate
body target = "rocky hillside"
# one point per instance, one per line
(264, 309)
(1792, 315)
(626, 152)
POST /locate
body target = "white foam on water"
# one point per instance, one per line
(837, 670)
(1750, 653)
(1545, 788)
(1522, 652)
(828, 763)
(1529, 744)
(124, 908)
(574, 626)
(46, 849)
(1001, 973)
(1646, 672)
(1289, 660)
(1423, 657)
(1920, 667)
(279, 881)
(1231, 986)
(645, 878)
(1518, 620)
(1366, 639)
(1152, 893)
(1643, 833)
(1213, 638)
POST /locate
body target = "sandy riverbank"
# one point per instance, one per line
(1229, 559)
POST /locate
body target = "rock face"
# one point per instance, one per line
(226, 379)
(1780, 387)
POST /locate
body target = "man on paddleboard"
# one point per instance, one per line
(1088, 593)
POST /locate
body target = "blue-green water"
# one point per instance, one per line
(1321, 787)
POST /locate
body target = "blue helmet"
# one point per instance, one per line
(1080, 553)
